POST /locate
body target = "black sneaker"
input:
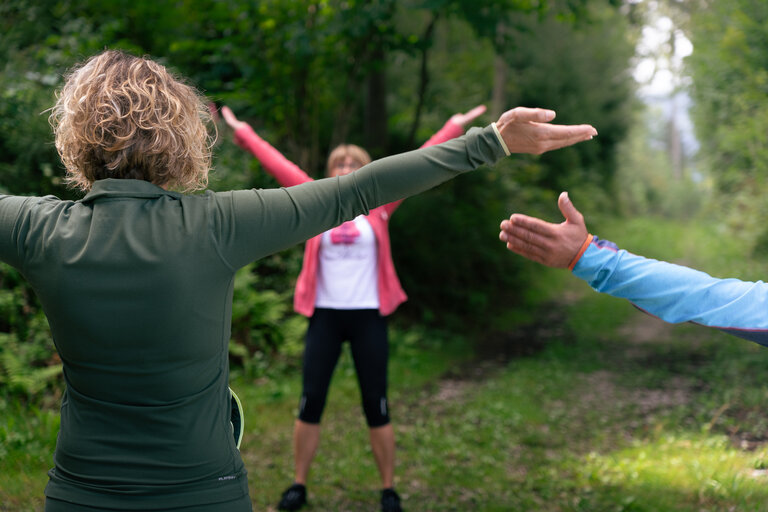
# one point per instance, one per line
(390, 501)
(294, 498)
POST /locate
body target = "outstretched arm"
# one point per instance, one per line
(271, 220)
(452, 128)
(285, 172)
(671, 292)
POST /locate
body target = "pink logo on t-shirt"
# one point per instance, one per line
(347, 233)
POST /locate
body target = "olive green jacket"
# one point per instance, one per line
(136, 283)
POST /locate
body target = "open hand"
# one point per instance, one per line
(231, 120)
(553, 245)
(526, 130)
(469, 116)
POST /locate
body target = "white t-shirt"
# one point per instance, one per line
(346, 271)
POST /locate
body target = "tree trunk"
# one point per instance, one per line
(500, 75)
(423, 80)
(376, 106)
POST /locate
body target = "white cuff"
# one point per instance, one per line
(501, 140)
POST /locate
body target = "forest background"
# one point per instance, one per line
(386, 74)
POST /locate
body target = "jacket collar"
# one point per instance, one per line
(112, 187)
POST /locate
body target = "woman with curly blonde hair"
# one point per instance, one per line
(136, 280)
(122, 117)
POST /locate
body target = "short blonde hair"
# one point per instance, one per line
(121, 116)
(343, 151)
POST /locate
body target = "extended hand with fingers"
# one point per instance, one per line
(526, 130)
(468, 116)
(230, 118)
(553, 245)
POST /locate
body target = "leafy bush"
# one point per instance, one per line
(263, 325)
(28, 361)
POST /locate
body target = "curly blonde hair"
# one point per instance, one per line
(121, 116)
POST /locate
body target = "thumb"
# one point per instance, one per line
(569, 211)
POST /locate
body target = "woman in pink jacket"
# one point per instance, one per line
(347, 286)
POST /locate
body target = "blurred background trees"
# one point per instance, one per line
(729, 68)
(386, 74)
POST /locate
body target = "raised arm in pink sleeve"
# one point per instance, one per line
(450, 130)
(285, 172)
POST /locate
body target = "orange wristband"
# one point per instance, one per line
(581, 251)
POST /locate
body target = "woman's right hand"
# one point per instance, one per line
(469, 116)
(553, 245)
(231, 120)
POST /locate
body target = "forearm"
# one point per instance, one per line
(271, 220)
(407, 174)
(285, 172)
(675, 293)
(450, 130)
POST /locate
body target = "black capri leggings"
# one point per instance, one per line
(366, 331)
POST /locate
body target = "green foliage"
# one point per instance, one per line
(581, 70)
(645, 182)
(18, 370)
(28, 361)
(460, 274)
(263, 325)
(729, 67)
(311, 74)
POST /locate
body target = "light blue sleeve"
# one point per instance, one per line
(675, 293)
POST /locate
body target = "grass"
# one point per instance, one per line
(616, 412)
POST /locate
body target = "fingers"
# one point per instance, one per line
(567, 134)
(231, 119)
(228, 115)
(524, 114)
(464, 119)
(529, 252)
(526, 248)
(527, 234)
(552, 136)
(568, 210)
(475, 112)
(520, 224)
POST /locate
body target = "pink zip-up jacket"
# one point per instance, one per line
(391, 293)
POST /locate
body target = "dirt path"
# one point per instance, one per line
(644, 343)
(604, 391)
